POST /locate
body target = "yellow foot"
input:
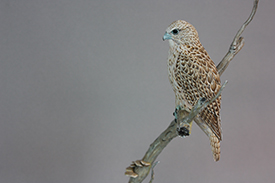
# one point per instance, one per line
(130, 170)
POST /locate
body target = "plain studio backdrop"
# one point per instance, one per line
(84, 90)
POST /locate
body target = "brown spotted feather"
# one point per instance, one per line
(193, 75)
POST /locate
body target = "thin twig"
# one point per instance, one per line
(154, 150)
(237, 43)
(171, 132)
(165, 137)
(152, 171)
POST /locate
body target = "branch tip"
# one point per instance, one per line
(237, 43)
(171, 132)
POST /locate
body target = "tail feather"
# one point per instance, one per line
(215, 145)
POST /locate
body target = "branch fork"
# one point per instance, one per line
(139, 169)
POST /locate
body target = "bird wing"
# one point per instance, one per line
(198, 77)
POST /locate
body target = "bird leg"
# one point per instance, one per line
(186, 118)
(185, 123)
(183, 129)
(175, 113)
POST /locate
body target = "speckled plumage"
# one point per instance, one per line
(193, 75)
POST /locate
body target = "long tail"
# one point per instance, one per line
(215, 145)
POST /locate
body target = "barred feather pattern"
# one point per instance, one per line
(193, 75)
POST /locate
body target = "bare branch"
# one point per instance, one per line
(139, 170)
(154, 150)
(198, 107)
(152, 171)
(165, 137)
(237, 44)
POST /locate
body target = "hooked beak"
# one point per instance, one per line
(166, 36)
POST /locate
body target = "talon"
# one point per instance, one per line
(183, 131)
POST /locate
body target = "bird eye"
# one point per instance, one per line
(175, 31)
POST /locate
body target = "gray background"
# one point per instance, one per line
(84, 91)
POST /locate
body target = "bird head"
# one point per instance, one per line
(181, 32)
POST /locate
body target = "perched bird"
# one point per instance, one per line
(193, 75)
